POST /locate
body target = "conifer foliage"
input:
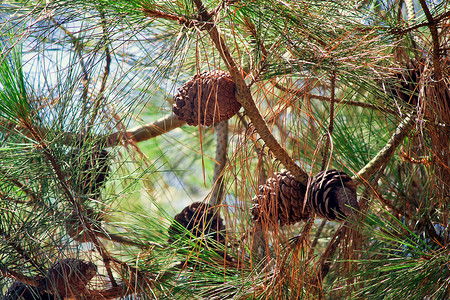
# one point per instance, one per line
(316, 164)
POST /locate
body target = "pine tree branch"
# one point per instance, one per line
(145, 132)
(78, 46)
(244, 96)
(77, 207)
(111, 293)
(325, 259)
(138, 134)
(437, 19)
(221, 160)
(330, 126)
(106, 71)
(435, 38)
(386, 153)
(318, 234)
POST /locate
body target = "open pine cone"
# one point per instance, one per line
(206, 99)
(200, 219)
(281, 199)
(68, 277)
(332, 195)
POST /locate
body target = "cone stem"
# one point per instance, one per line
(221, 160)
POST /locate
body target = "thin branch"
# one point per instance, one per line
(153, 13)
(358, 104)
(325, 259)
(244, 97)
(105, 72)
(145, 132)
(78, 46)
(438, 19)
(138, 134)
(435, 37)
(111, 293)
(157, 14)
(303, 238)
(318, 234)
(330, 126)
(221, 160)
(386, 153)
(117, 238)
(325, 152)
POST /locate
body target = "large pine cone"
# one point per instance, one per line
(281, 199)
(200, 219)
(68, 277)
(207, 99)
(19, 290)
(332, 195)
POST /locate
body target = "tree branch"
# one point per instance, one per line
(138, 134)
(78, 46)
(330, 126)
(386, 153)
(438, 19)
(221, 160)
(435, 37)
(105, 72)
(60, 177)
(145, 132)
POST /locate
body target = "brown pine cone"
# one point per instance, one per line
(96, 170)
(206, 99)
(68, 277)
(332, 195)
(198, 218)
(281, 199)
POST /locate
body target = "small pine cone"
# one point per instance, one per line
(332, 195)
(198, 218)
(206, 99)
(404, 84)
(68, 277)
(281, 199)
(19, 290)
(94, 171)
